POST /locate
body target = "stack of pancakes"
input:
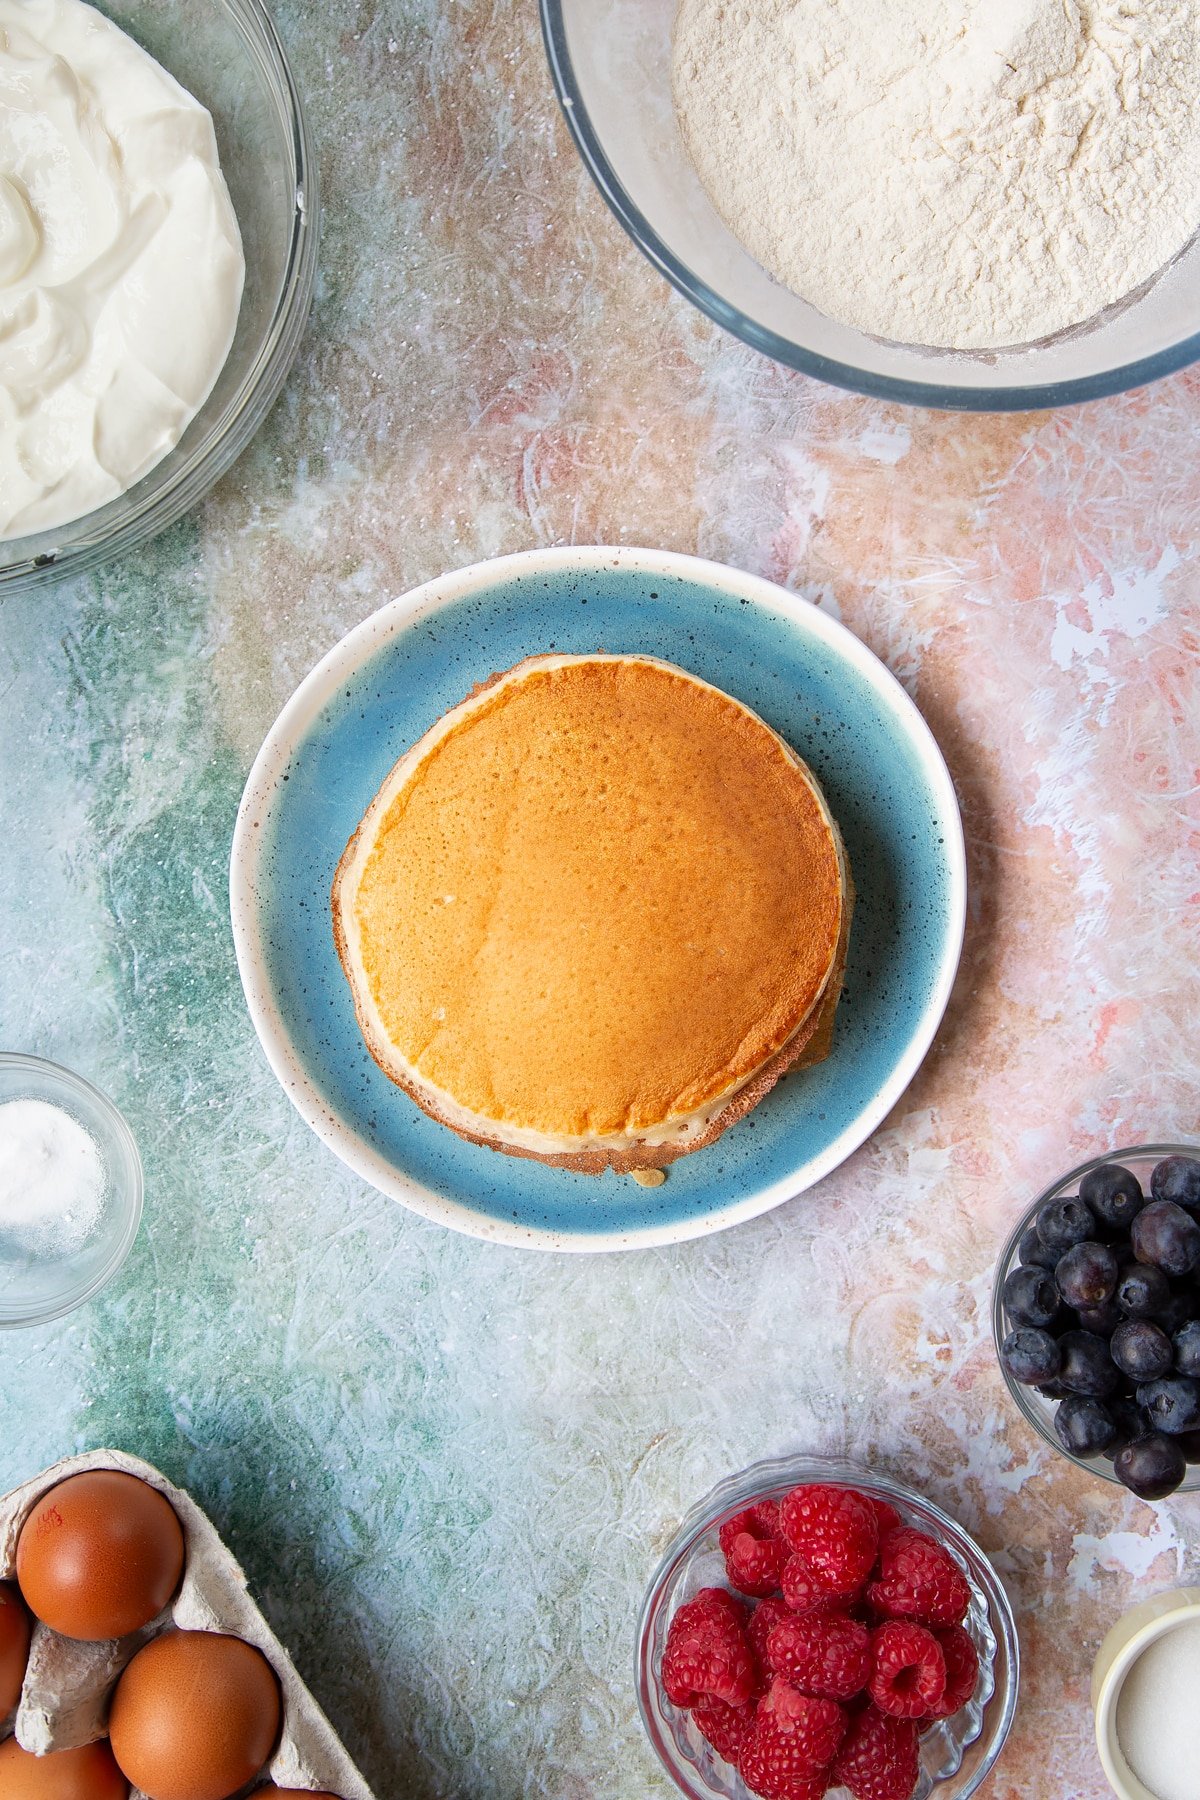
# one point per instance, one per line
(595, 914)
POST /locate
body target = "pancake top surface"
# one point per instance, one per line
(597, 895)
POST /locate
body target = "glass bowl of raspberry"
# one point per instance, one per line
(814, 1628)
(1096, 1316)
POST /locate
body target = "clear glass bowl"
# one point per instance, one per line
(226, 53)
(956, 1755)
(34, 1290)
(1039, 1411)
(611, 63)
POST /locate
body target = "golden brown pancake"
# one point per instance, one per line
(594, 914)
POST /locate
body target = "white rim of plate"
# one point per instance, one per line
(319, 687)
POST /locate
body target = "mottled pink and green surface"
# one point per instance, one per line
(449, 1468)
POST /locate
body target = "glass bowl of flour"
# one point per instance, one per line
(971, 207)
(127, 287)
(70, 1190)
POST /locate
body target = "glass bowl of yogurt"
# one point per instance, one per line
(70, 1190)
(1129, 265)
(158, 227)
(956, 1754)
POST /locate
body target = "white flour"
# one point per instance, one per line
(965, 173)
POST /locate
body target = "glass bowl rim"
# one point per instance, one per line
(127, 1179)
(1142, 1152)
(735, 1491)
(944, 396)
(260, 386)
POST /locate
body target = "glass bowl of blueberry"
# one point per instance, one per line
(1096, 1312)
(815, 1628)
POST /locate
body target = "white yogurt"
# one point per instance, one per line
(121, 265)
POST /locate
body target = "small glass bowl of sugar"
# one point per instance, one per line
(70, 1190)
(1144, 1687)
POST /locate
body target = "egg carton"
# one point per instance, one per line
(68, 1685)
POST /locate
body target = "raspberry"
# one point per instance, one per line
(726, 1727)
(886, 1517)
(761, 1521)
(754, 1551)
(708, 1652)
(879, 1757)
(826, 1653)
(918, 1580)
(910, 1670)
(814, 1727)
(776, 1783)
(720, 1600)
(804, 1591)
(836, 1532)
(763, 1620)
(793, 1740)
(962, 1671)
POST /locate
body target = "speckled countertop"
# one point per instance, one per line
(448, 1468)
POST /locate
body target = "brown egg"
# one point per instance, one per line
(87, 1774)
(266, 1793)
(14, 1646)
(100, 1555)
(195, 1716)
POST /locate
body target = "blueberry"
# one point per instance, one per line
(1031, 1297)
(1177, 1178)
(1130, 1422)
(1052, 1390)
(1086, 1275)
(1173, 1404)
(1103, 1320)
(1189, 1443)
(1114, 1195)
(1030, 1356)
(1151, 1467)
(1031, 1250)
(1084, 1426)
(1181, 1305)
(1087, 1368)
(1187, 1348)
(1142, 1290)
(1061, 1223)
(1168, 1237)
(1141, 1350)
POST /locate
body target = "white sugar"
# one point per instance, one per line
(1158, 1722)
(52, 1181)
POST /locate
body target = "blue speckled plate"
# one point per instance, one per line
(385, 683)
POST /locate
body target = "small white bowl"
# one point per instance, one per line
(1132, 1635)
(46, 1287)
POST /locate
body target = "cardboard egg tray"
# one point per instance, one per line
(64, 1702)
